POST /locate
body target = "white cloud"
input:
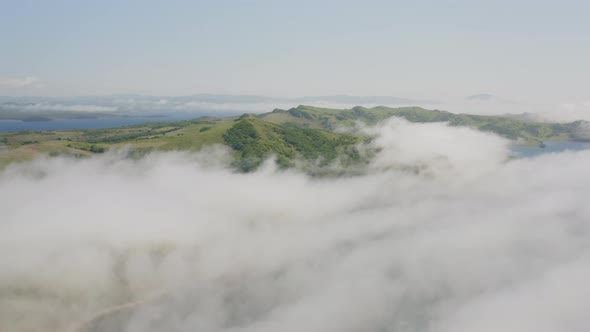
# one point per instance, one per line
(18, 82)
(437, 149)
(565, 112)
(476, 243)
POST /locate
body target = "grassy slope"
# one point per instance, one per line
(303, 132)
(286, 143)
(182, 135)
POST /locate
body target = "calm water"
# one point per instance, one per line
(65, 124)
(551, 147)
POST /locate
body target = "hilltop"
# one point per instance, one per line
(304, 133)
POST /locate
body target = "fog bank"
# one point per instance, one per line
(444, 233)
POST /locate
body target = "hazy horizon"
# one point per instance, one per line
(224, 104)
(527, 52)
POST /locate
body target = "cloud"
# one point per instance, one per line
(489, 98)
(565, 112)
(489, 104)
(18, 82)
(175, 242)
(436, 149)
(481, 97)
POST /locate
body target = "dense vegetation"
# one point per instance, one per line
(257, 140)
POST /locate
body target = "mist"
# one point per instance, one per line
(444, 232)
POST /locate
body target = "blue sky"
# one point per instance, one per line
(531, 51)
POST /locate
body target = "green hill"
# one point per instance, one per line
(252, 140)
(329, 119)
(303, 133)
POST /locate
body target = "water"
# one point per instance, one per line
(67, 124)
(550, 147)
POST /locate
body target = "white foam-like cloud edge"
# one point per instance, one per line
(491, 105)
(567, 112)
(18, 82)
(471, 242)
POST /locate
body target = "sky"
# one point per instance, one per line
(521, 51)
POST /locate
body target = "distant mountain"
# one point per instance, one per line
(481, 97)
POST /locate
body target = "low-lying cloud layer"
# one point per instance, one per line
(486, 104)
(444, 234)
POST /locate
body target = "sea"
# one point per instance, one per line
(68, 124)
(550, 147)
